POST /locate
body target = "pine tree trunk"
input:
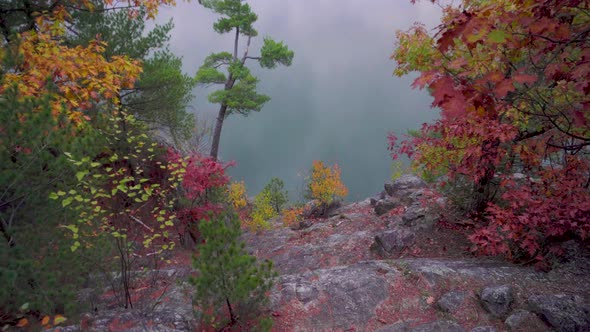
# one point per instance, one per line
(231, 312)
(217, 132)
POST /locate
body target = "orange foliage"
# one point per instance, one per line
(74, 76)
(292, 216)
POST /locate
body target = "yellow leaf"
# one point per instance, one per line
(58, 319)
(45, 320)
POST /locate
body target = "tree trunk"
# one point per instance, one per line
(217, 132)
(231, 312)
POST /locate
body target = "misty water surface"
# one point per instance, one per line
(336, 103)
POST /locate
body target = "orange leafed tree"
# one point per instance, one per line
(74, 77)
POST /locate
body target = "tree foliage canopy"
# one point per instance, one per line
(511, 81)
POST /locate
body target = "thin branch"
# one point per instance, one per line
(141, 223)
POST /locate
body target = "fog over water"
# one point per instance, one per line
(336, 103)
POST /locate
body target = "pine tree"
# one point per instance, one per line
(239, 93)
(228, 275)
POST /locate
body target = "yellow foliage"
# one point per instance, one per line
(326, 185)
(262, 212)
(237, 195)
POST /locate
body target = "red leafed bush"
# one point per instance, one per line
(532, 217)
(511, 82)
(202, 182)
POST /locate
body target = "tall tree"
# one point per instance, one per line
(239, 93)
(162, 93)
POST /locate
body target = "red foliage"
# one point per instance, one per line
(511, 81)
(201, 176)
(538, 215)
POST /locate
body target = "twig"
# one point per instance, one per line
(141, 223)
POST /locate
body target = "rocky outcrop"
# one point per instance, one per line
(420, 217)
(564, 313)
(330, 279)
(522, 320)
(394, 240)
(404, 185)
(407, 192)
(334, 298)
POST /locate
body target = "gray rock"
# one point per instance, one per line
(306, 292)
(315, 209)
(394, 240)
(420, 217)
(404, 183)
(354, 293)
(374, 199)
(484, 329)
(439, 326)
(451, 301)
(396, 327)
(522, 319)
(497, 299)
(562, 312)
(383, 206)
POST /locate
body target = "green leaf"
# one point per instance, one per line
(67, 201)
(497, 36)
(24, 307)
(75, 246)
(59, 319)
(72, 228)
(53, 196)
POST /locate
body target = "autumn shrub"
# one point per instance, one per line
(202, 190)
(292, 216)
(127, 192)
(325, 185)
(267, 204)
(511, 141)
(532, 220)
(262, 211)
(237, 195)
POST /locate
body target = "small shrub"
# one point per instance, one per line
(292, 216)
(267, 205)
(325, 185)
(278, 196)
(262, 211)
(228, 276)
(237, 195)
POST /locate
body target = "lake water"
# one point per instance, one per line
(336, 103)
